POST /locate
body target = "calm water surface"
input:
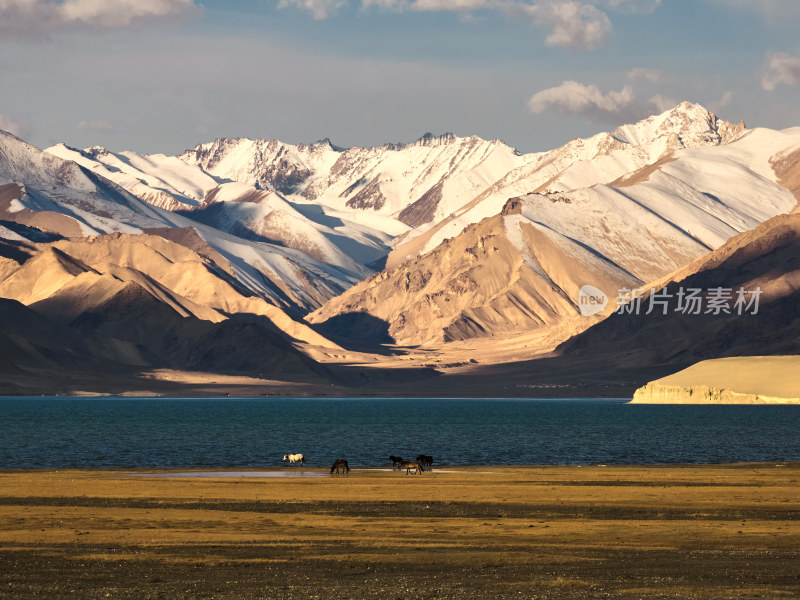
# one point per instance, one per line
(229, 432)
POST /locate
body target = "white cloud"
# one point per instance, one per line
(652, 75)
(726, 100)
(321, 9)
(663, 103)
(573, 24)
(13, 126)
(574, 97)
(25, 17)
(781, 68)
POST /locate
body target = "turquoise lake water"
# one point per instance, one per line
(231, 432)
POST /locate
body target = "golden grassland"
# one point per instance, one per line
(720, 531)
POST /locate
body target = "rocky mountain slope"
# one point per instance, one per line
(141, 302)
(639, 228)
(412, 183)
(484, 241)
(503, 275)
(625, 155)
(765, 259)
(173, 184)
(44, 193)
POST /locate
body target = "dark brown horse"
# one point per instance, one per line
(412, 468)
(425, 460)
(396, 460)
(340, 466)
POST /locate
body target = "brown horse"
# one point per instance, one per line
(340, 466)
(410, 466)
(425, 460)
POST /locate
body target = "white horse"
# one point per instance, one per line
(294, 458)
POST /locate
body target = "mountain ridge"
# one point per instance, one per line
(247, 237)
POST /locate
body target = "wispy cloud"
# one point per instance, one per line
(319, 9)
(651, 75)
(95, 125)
(574, 97)
(663, 103)
(570, 23)
(21, 18)
(13, 126)
(781, 68)
(723, 102)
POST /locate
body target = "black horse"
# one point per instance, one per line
(425, 460)
(396, 460)
(340, 466)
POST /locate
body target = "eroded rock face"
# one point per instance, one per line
(654, 393)
(434, 181)
(423, 210)
(385, 179)
(368, 197)
(271, 164)
(766, 258)
(500, 276)
(786, 165)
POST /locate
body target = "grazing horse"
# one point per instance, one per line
(340, 466)
(411, 466)
(294, 458)
(425, 460)
(396, 460)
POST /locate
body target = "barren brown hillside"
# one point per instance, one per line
(503, 275)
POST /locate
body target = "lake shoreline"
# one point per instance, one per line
(246, 432)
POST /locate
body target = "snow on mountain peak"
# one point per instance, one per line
(686, 125)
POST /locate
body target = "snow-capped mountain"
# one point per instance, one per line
(163, 181)
(501, 276)
(606, 158)
(407, 182)
(643, 224)
(303, 223)
(244, 207)
(419, 193)
(766, 258)
(124, 303)
(47, 193)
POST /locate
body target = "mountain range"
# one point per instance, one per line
(382, 267)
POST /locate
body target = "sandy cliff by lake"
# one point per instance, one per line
(739, 380)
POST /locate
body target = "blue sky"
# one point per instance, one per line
(164, 75)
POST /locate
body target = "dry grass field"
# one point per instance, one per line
(727, 531)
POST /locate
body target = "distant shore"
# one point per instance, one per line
(738, 380)
(688, 532)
